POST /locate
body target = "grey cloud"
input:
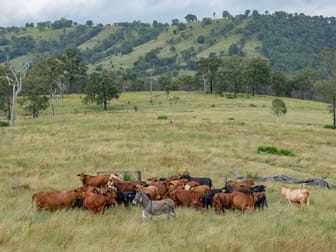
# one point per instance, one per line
(19, 12)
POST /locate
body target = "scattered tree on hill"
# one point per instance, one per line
(226, 14)
(89, 23)
(101, 88)
(175, 22)
(278, 108)
(190, 18)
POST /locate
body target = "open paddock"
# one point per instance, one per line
(204, 135)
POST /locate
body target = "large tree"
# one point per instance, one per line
(258, 74)
(42, 80)
(73, 71)
(279, 82)
(5, 94)
(233, 74)
(304, 82)
(14, 79)
(101, 88)
(207, 69)
(328, 87)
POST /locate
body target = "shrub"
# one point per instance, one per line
(201, 39)
(127, 177)
(162, 117)
(274, 150)
(4, 123)
(251, 175)
(329, 126)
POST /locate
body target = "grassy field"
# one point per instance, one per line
(204, 135)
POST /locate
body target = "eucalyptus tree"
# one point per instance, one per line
(208, 68)
(14, 78)
(278, 108)
(328, 88)
(258, 74)
(101, 88)
(280, 84)
(5, 94)
(304, 82)
(232, 74)
(73, 71)
(43, 79)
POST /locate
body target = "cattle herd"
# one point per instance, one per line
(105, 190)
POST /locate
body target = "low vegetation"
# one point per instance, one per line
(275, 150)
(47, 153)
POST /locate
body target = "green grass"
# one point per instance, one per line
(47, 154)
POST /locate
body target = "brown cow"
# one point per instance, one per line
(98, 202)
(242, 201)
(203, 189)
(246, 182)
(162, 188)
(192, 184)
(187, 198)
(110, 196)
(176, 183)
(57, 200)
(221, 201)
(124, 186)
(96, 181)
(151, 191)
(95, 202)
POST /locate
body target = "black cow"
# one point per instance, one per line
(207, 198)
(258, 188)
(260, 201)
(125, 198)
(201, 180)
(243, 189)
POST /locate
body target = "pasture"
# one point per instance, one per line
(186, 132)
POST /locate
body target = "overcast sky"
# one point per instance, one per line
(19, 12)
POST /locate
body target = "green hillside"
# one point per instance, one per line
(290, 42)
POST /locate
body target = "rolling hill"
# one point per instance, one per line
(289, 41)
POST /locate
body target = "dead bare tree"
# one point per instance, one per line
(52, 93)
(14, 79)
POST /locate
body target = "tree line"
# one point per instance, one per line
(66, 74)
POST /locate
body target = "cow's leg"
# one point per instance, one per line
(143, 215)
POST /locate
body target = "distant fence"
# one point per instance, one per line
(137, 173)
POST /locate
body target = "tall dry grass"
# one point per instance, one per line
(204, 135)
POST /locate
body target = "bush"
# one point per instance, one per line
(251, 175)
(328, 126)
(274, 150)
(127, 177)
(162, 117)
(201, 39)
(4, 123)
